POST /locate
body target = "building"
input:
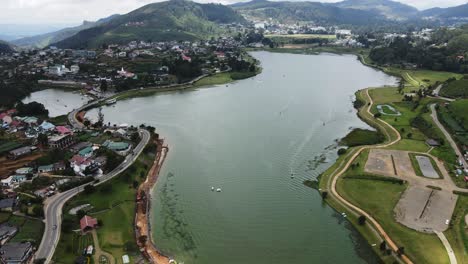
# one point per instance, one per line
(86, 152)
(13, 180)
(79, 146)
(19, 152)
(432, 142)
(45, 168)
(75, 69)
(88, 223)
(60, 141)
(116, 146)
(16, 253)
(7, 231)
(8, 205)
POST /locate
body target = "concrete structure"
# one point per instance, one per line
(60, 141)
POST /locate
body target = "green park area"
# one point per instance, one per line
(119, 203)
(457, 234)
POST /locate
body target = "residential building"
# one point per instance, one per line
(19, 152)
(60, 141)
(7, 231)
(88, 223)
(8, 205)
(13, 180)
(16, 253)
(45, 168)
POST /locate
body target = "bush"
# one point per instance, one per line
(359, 137)
(341, 151)
(362, 220)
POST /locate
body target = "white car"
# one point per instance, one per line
(447, 221)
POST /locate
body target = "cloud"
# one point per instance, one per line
(74, 12)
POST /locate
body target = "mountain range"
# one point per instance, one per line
(187, 20)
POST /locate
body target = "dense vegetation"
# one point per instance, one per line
(32, 108)
(359, 137)
(432, 54)
(456, 88)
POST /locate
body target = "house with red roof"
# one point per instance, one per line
(87, 223)
(63, 130)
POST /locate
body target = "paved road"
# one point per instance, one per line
(453, 259)
(54, 205)
(448, 136)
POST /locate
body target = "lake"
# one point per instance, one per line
(248, 138)
(58, 102)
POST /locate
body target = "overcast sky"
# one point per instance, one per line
(73, 12)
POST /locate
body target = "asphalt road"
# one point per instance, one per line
(448, 136)
(54, 205)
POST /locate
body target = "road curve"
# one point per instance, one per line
(356, 209)
(453, 259)
(53, 205)
(448, 136)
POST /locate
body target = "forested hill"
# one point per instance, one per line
(5, 47)
(43, 40)
(171, 20)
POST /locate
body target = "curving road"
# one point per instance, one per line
(448, 136)
(53, 205)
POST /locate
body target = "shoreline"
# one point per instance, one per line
(143, 226)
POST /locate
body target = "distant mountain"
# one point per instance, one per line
(171, 20)
(389, 9)
(460, 11)
(306, 11)
(44, 40)
(5, 47)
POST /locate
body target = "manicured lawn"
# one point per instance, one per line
(426, 77)
(379, 199)
(457, 234)
(220, 78)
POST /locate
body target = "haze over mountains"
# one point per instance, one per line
(186, 20)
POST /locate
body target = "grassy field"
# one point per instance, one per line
(119, 203)
(457, 234)
(459, 110)
(417, 78)
(28, 229)
(379, 198)
(456, 89)
(6, 146)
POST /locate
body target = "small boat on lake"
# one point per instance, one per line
(111, 101)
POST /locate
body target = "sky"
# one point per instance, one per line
(73, 12)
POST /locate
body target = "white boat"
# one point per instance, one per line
(218, 190)
(111, 101)
(212, 188)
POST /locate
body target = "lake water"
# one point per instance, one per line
(58, 102)
(247, 138)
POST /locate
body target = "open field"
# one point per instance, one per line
(390, 163)
(379, 198)
(425, 209)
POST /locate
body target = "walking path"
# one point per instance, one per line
(453, 259)
(393, 246)
(98, 252)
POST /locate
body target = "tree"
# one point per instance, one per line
(383, 245)
(377, 115)
(362, 220)
(324, 195)
(86, 123)
(38, 211)
(401, 251)
(103, 85)
(80, 214)
(43, 139)
(88, 189)
(341, 151)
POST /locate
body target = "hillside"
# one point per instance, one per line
(460, 11)
(389, 9)
(306, 11)
(171, 20)
(5, 47)
(44, 40)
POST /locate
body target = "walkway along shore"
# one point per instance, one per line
(142, 219)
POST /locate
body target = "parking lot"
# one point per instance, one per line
(389, 163)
